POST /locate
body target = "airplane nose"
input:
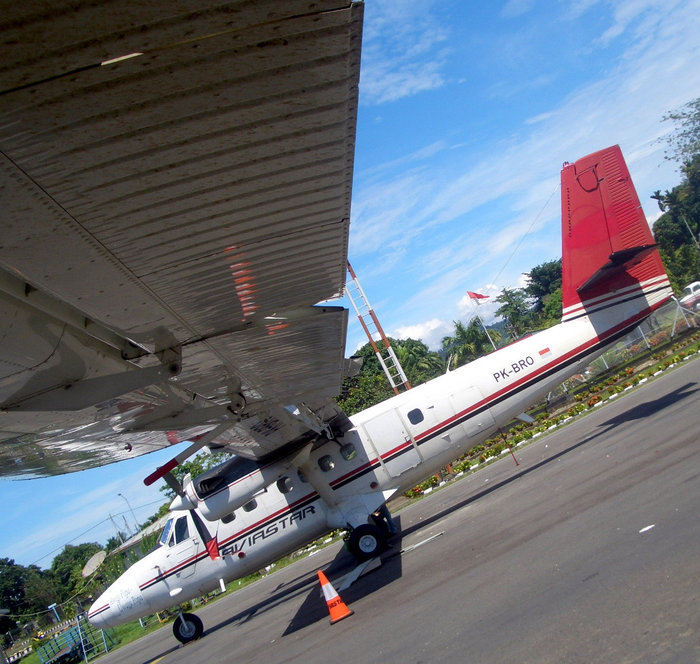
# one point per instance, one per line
(101, 611)
(120, 603)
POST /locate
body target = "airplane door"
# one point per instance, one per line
(392, 443)
(479, 424)
(182, 547)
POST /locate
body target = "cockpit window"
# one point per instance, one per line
(181, 530)
(166, 532)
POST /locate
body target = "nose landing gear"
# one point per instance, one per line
(187, 627)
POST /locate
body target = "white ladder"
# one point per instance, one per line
(370, 324)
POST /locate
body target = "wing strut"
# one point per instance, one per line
(201, 442)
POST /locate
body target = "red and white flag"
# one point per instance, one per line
(476, 297)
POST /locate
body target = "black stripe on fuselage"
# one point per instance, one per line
(597, 308)
(439, 431)
(442, 429)
(250, 532)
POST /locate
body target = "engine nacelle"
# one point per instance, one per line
(225, 488)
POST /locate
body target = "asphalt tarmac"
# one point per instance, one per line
(586, 551)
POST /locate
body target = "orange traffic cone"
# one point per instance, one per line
(336, 607)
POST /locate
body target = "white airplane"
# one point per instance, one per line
(244, 514)
(176, 183)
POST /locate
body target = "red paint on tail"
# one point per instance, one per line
(607, 245)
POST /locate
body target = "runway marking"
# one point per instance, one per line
(425, 541)
(643, 530)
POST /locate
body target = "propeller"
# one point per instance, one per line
(165, 472)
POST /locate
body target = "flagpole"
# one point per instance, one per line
(475, 297)
(486, 331)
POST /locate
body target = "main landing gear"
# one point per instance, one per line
(366, 541)
(187, 627)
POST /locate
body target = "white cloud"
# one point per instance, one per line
(400, 57)
(430, 332)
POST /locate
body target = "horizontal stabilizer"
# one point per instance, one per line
(618, 262)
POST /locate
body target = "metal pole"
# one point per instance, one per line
(644, 336)
(486, 331)
(136, 523)
(53, 608)
(682, 216)
(119, 535)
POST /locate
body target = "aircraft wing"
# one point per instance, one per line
(175, 182)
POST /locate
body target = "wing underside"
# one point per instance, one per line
(176, 182)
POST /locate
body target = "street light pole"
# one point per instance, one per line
(133, 516)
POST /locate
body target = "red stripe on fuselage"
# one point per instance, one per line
(596, 302)
(588, 345)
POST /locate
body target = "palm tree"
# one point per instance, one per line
(417, 360)
(468, 343)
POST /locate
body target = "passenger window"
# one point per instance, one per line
(348, 452)
(250, 505)
(415, 416)
(326, 463)
(228, 518)
(301, 477)
(284, 484)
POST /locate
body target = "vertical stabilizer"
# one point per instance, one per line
(608, 251)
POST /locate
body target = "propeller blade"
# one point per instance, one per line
(172, 482)
(210, 542)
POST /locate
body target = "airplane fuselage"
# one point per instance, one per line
(397, 443)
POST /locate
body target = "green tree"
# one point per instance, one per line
(371, 386)
(466, 344)
(364, 390)
(25, 592)
(418, 362)
(12, 595)
(40, 589)
(677, 230)
(66, 568)
(544, 287)
(543, 280)
(194, 467)
(551, 313)
(684, 140)
(516, 309)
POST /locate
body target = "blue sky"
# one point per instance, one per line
(467, 112)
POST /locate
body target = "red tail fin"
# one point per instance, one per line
(607, 245)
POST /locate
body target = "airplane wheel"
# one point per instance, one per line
(366, 541)
(187, 627)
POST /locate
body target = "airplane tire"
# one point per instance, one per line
(187, 627)
(366, 541)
